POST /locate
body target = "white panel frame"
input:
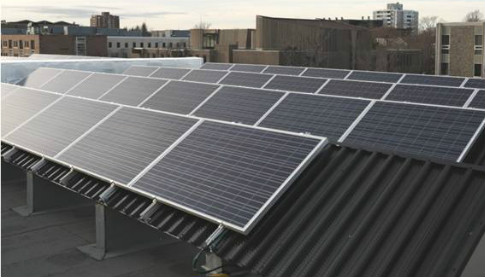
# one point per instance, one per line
(356, 121)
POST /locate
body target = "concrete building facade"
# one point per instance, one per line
(396, 17)
(145, 47)
(105, 20)
(459, 49)
(25, 45)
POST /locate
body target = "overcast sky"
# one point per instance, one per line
(184, 14)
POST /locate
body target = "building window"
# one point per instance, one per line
(4, 43)
(478, 70)
(118, 45)
(164, 45)
(170, 45)
(445, 44)
(156, 44)
(478, 44)
(141, 44)
(444, 69)
(15, 43)
(26, 43)
(126, 44)
(149, 45)
(32, 44)
(21, 44)
(185, 45)
(134, 44)
(110, 44)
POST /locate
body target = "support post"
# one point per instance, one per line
(44, 196)
(117, 235)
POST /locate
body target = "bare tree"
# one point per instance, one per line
(474, 16)
(428, 23)
(203, 25)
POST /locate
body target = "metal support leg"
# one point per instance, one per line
(43, 196)
(117, 235)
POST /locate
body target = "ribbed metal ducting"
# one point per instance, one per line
(20, 158)
(360, 213)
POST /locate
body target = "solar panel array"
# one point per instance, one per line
(174, 157)
(126, 145)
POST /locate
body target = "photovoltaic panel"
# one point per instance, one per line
(430, 95)
(326, 73)
(318, 115)
(123, 145)
(205, 76)
(39, 77)
(419, 130)
(217, 66)
(142, 71)
(65, 81)
(371, 90)
(298, 84)
(248, 68)
(475, 83)
(133, 90)
(286, 70)
(229, 173)
(18, 107)
(7, 89)
(237, 104)
(170, 73)
(375, 76)
(479, 100)
(60, 125)
(96, 85)
(180, 97)
(432, 80)
(254, 80)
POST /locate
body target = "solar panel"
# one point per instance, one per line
(475, 83)
(18, 107)
(39, 77)
(180, 97)
(170, 73)
(432, 80)
(371, 90)
(133, 90)
(65, 81)
(375, 76)
(426, 131)
(205, 76)
(479, 100)
(319, 115)
(286, 70)
(229, 173)
(298, 84)
(7, 89)
(217, 66)
(430, 95)
(253, 80)
(248, 68)
(96, 85)
(326, 73)
(124, 144)
(236, 104)
(142, 71)
(60, 125)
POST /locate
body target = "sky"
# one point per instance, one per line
(184, 14)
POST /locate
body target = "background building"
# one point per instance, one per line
(146, 47)
(459, 49)
(396, 17)
(105, 20)
(25, 45)
(171, 33)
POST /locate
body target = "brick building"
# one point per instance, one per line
(25, 45)
(105, 20)
(459, 49)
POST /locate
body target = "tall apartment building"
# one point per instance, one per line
(396, 17)
(459, 49)
(105, 20)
